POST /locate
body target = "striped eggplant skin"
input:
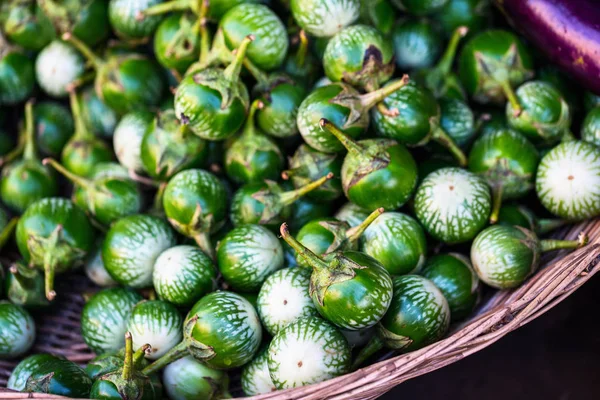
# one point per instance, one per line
(54, 127)
(397, 241)
(568, 180)
(453, 204)
(122, 15)
(132, 246)
(285, 298)
(189, 379)
(360, 56)
(281, 99)
(324, 18)
(453, 274)
(307, 351)
(21, 373)
(27, 25)
(17, 330)
(104, 318)
(270, 46)
(176, 42)
(247, 255)
(352, 214)
(458, 121)
(256, 378)
(417, 43)
(183, 274)
(505, 256)
(157, 323)
(418, 315)
(57, 66)
(229, 325)
(17, 76)
(127, 139)
(590, 128)
(59, 376)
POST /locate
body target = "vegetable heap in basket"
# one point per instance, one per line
(281, 188)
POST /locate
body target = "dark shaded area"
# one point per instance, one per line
(557, 356)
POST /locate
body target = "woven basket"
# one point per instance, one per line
(562, 273)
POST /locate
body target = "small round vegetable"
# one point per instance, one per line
(127, 139)
(256, 378)
(458, 121)
(508, 162)
(54, 235)
(568, 180)
(188, 379)
(453, 205)
(95, 270)
(124, 18)
(132, 246)
(266, 203)
(104, 318)
(54, 375)
(17, 329)
(177, 42)
(376, 172)
(418, 316)
(453, 274)
(57, 66)
(519, 215)
(101, 119)
(183, 274)
(253, 157)
(307, 351)
(397, 241)
(222, 330)
(491, 63)
(420, 7)
(590, 128)
(195, 203)
(26, 181)
(21, 373)
(324, 18)
(17, 77)
(344, 107)
(285, 298)
(169, 146)
(25, 286)
(505, 256)
(27, 25)
(543, 115)
(417, 44)
(247, 255)
(473, 14)
(54, 127)
(157, 323)
(350, 289)
(360, 56)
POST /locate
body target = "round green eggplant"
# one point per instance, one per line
(307, 351)
(127, 139)
(87, 19)
(17, 76)
(104, 318)
(453, 274)
(417, 43)
(324, 18)
(376, 172)
(253, 156)
(183, 274)
(453, 205)
(352, 214)
(132, 246)
(177, 41)
(157, 323)
(54, 235)
(590, 128)
(256, 378)
(508, 162)
(17, 328)
(472, 14)
(125, 22)
(568, 180)
(195, 203)
(188, 379)
(21, 373)
(95, 270)
(99, 117)
(458, 121)
(27, 25)
(25, 286)
(397, 241)
(54, 375)
(360, 56)
(519, 215)
(54, 127)
(491, 63)
(505, 256)
(58, 66)
(247, 255)
(222, 330)
(281, 98)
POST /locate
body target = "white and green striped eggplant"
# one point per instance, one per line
(132, 246)
(256, 378)
(568, 180)
(127, 139)
(17, 330)
(156, 323)
(94, 269)
(57, 66)
(453, 204)
(104, 319)
(247, 255)
(324, 18)
(183, 274)
(397, 241)
(285, 298)
(307, 351)
(19, 376)
(124, 18)
(189, 379)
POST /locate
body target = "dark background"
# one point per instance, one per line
(555, 357)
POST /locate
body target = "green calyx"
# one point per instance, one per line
(25, 286)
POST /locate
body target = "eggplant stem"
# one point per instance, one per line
(96, 61)
(232, 72)
(353, 234)
(250, 127)
(374, 345)
(140, 353)
(128, 365)
(76, 179)
(311, 258)
(512, 98)
(8, 230)
(350, 145)
(17, 272)
(30, 150)
(302, 48)
(552, 244)
(497, 193)
(81, 132)
(369, 100)
(546, 225)
(172, 355)
(444, 66)
(157, 203)
(440, 136)
(50, 263)
(291, 196)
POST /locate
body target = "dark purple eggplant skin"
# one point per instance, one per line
(567, 31)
